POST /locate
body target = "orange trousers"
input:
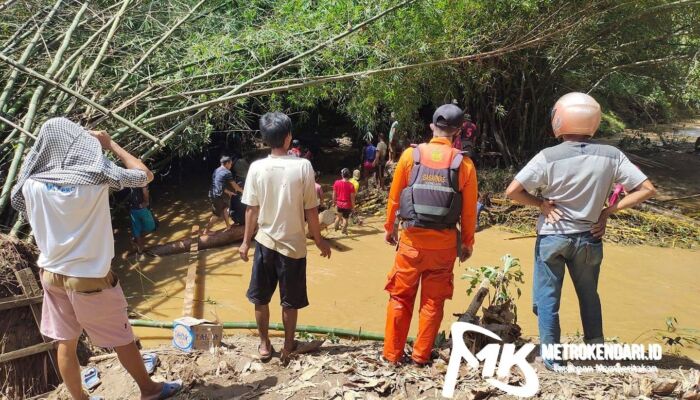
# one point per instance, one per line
(433, 270)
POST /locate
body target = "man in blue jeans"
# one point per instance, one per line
(574, 179)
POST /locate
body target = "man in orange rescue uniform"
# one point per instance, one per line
(433, 190)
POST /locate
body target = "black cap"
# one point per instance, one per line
(448, 116)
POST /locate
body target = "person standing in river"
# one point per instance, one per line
(280, 194)
(223, 186)
(63, 191)
(575, 178)
(434, 190)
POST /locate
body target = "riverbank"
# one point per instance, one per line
(353, 370)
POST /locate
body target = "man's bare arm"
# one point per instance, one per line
(315, 230)
(129, 161)
(251, 225)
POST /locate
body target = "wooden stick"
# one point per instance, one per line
(27, 351)
(9, 303)
(692, 196)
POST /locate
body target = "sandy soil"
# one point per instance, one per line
(353, 370)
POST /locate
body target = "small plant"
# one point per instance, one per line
(675, 337)
(503, 279)
(500, 278)
(333, 338)
(305, 336)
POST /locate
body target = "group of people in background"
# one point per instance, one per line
(430, 221)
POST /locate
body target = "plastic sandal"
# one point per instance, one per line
(90, 377)
(150, 361)
(267, 357)
(170, 389)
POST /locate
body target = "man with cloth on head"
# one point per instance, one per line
(434, 190)
(63, 190)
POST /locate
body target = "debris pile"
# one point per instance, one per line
(354, 370)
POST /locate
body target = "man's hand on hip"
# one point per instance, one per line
(550, 211)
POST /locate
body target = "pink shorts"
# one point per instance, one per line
(65, 313)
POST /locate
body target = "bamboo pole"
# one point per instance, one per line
(207, 104)
(34, 105)
(25, 55)
(6, 4)
(21, 33)
(202, 108)
(100, 55)
(16, 127)
(77, 95)
(150, 51)
(80, 52)
(351, 76)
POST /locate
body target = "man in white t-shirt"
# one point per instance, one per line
(280, 193)
(63, 190)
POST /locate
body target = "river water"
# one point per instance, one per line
(640, 286)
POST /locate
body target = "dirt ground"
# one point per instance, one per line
(354, 370)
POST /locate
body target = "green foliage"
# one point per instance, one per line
(610, 125)
(502, 279)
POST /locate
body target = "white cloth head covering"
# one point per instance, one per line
(66, 154)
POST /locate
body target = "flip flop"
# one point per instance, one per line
(170, 389)
(90, 377)
(150, 361)
(266, 357)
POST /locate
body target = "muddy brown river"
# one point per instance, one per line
(640, 286)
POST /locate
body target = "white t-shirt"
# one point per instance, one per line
(578, 176)
(283, 187)
(72, 227)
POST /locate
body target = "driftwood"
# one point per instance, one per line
(470, 314)
(205, 242)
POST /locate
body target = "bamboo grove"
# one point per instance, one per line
(163, 76)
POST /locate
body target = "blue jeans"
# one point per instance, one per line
(582, 254)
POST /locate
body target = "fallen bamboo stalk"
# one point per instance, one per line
(7, 91)
(6, 4)
(17, 127)
(77, 95)
(100, 55)
(206, 105)
(335, 78)
(150, 51)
